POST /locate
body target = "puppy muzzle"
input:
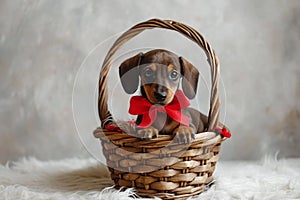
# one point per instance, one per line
(160, 96)
(160, 93)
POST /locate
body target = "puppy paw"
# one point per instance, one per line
(184, 134)
(147, 133)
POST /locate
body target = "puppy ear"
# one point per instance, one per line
(129, 73)
(189, 79)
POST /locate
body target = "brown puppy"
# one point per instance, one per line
(158, 72)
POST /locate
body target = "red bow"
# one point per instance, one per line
(141, 106)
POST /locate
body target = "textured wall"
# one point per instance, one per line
(43, 43)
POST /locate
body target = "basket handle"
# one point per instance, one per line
(213, 116)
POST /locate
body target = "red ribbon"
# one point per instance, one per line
(113, 128)
(223, 131)
(141, 106)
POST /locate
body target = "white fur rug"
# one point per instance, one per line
(86, 179)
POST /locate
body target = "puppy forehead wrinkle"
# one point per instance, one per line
(162, 57)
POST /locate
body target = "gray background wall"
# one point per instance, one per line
(43, 43)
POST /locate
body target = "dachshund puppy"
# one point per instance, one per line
(158, 73)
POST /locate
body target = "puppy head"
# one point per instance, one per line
(160, 72)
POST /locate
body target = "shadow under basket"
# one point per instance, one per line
(161, 167)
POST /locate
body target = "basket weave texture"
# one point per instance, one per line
(161, 167)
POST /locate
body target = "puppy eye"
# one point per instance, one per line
(174, 75)
(148, 73)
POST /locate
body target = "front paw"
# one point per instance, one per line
(147, 133)
(184, 134)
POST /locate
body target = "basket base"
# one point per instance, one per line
(180, 193)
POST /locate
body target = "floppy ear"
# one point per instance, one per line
(129, 73)
(189, 79)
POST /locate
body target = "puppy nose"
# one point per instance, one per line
(160, 96)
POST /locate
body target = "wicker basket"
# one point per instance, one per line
(159, 167)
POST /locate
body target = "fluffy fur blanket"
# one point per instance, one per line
(86, 179)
